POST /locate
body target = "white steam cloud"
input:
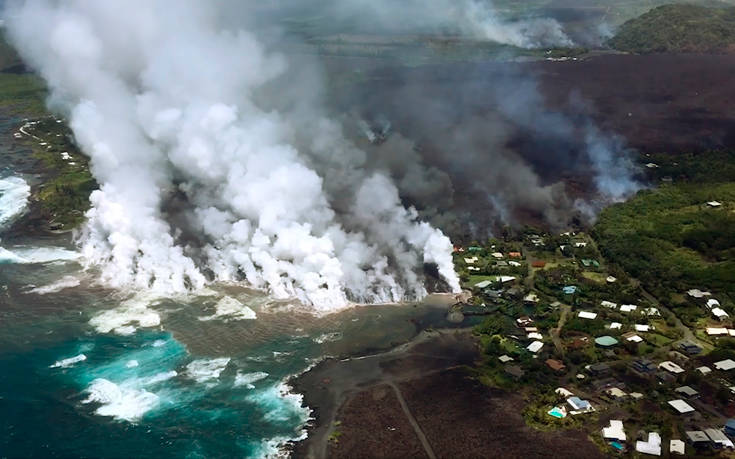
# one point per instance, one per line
(200, 182)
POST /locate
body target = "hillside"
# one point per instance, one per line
(678, 28)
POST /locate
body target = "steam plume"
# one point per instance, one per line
(200, 179)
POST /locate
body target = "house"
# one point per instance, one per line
(614, 432)
(719, 439)
(611, 279)
(608, 304)
(712, 303)
(514, 254)
(697, 438)
(538, 264)
(598, 369)
(524, 321)
(505, 358)
(636, 395)
(515, 371)
(717, 331)
(642, 328)
(471, 261)
(681, 406)
(514, 264)
(531, 298)
(665, 378)
(720, 314)
(652, 446)
(535, 346)
(671, 367)
(704, 370)
(651, 311)
(497, 255)
(632, 337)
(725, 365)
(689, 348)
(730, 427)
(643, 366)
(687, 392)
(506, 279)
(555, 365)
(483, 284)
(564, 392)
(615, 326)
(616, 393)
(570, 289)
(579, 406)
(628, 308)
(535, 335)
(587, 315)
(696, 293)
(501, 264)
(677, 447)
(714, 204)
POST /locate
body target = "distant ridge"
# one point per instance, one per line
(678, 29)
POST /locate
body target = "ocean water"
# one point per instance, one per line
(89, 372)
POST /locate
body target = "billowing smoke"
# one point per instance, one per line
(203, 178)
(488, 147)
(476, 19)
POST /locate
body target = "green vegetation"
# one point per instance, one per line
(681, 243)
(64, 197)
(678, 28)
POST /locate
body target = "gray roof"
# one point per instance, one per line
(697, 436)
(686, 390)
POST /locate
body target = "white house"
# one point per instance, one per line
(614, 432)
(725, 365)
(677, 447)
(615, 325)
(719, 313)
(535, 346)
(714, 204)
(716, 331)
(587, 315)
(608, 304)
(652, 446)
(628, 308)
(681, 406)
(642, 328)
(713, 303)
(671, 367)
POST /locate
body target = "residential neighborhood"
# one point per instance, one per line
(594, 350)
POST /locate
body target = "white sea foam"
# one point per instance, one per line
(247, 379)
(122, 403)
(159, 377)
(206, 370)
(62, 284)
(122, 319)
(131, 364)
(328, 337)
(159, 343)
(66, 363)
(280, 404)
(231, 308)
(14, 194)
(30, 255)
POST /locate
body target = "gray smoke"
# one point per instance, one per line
(203, 178)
